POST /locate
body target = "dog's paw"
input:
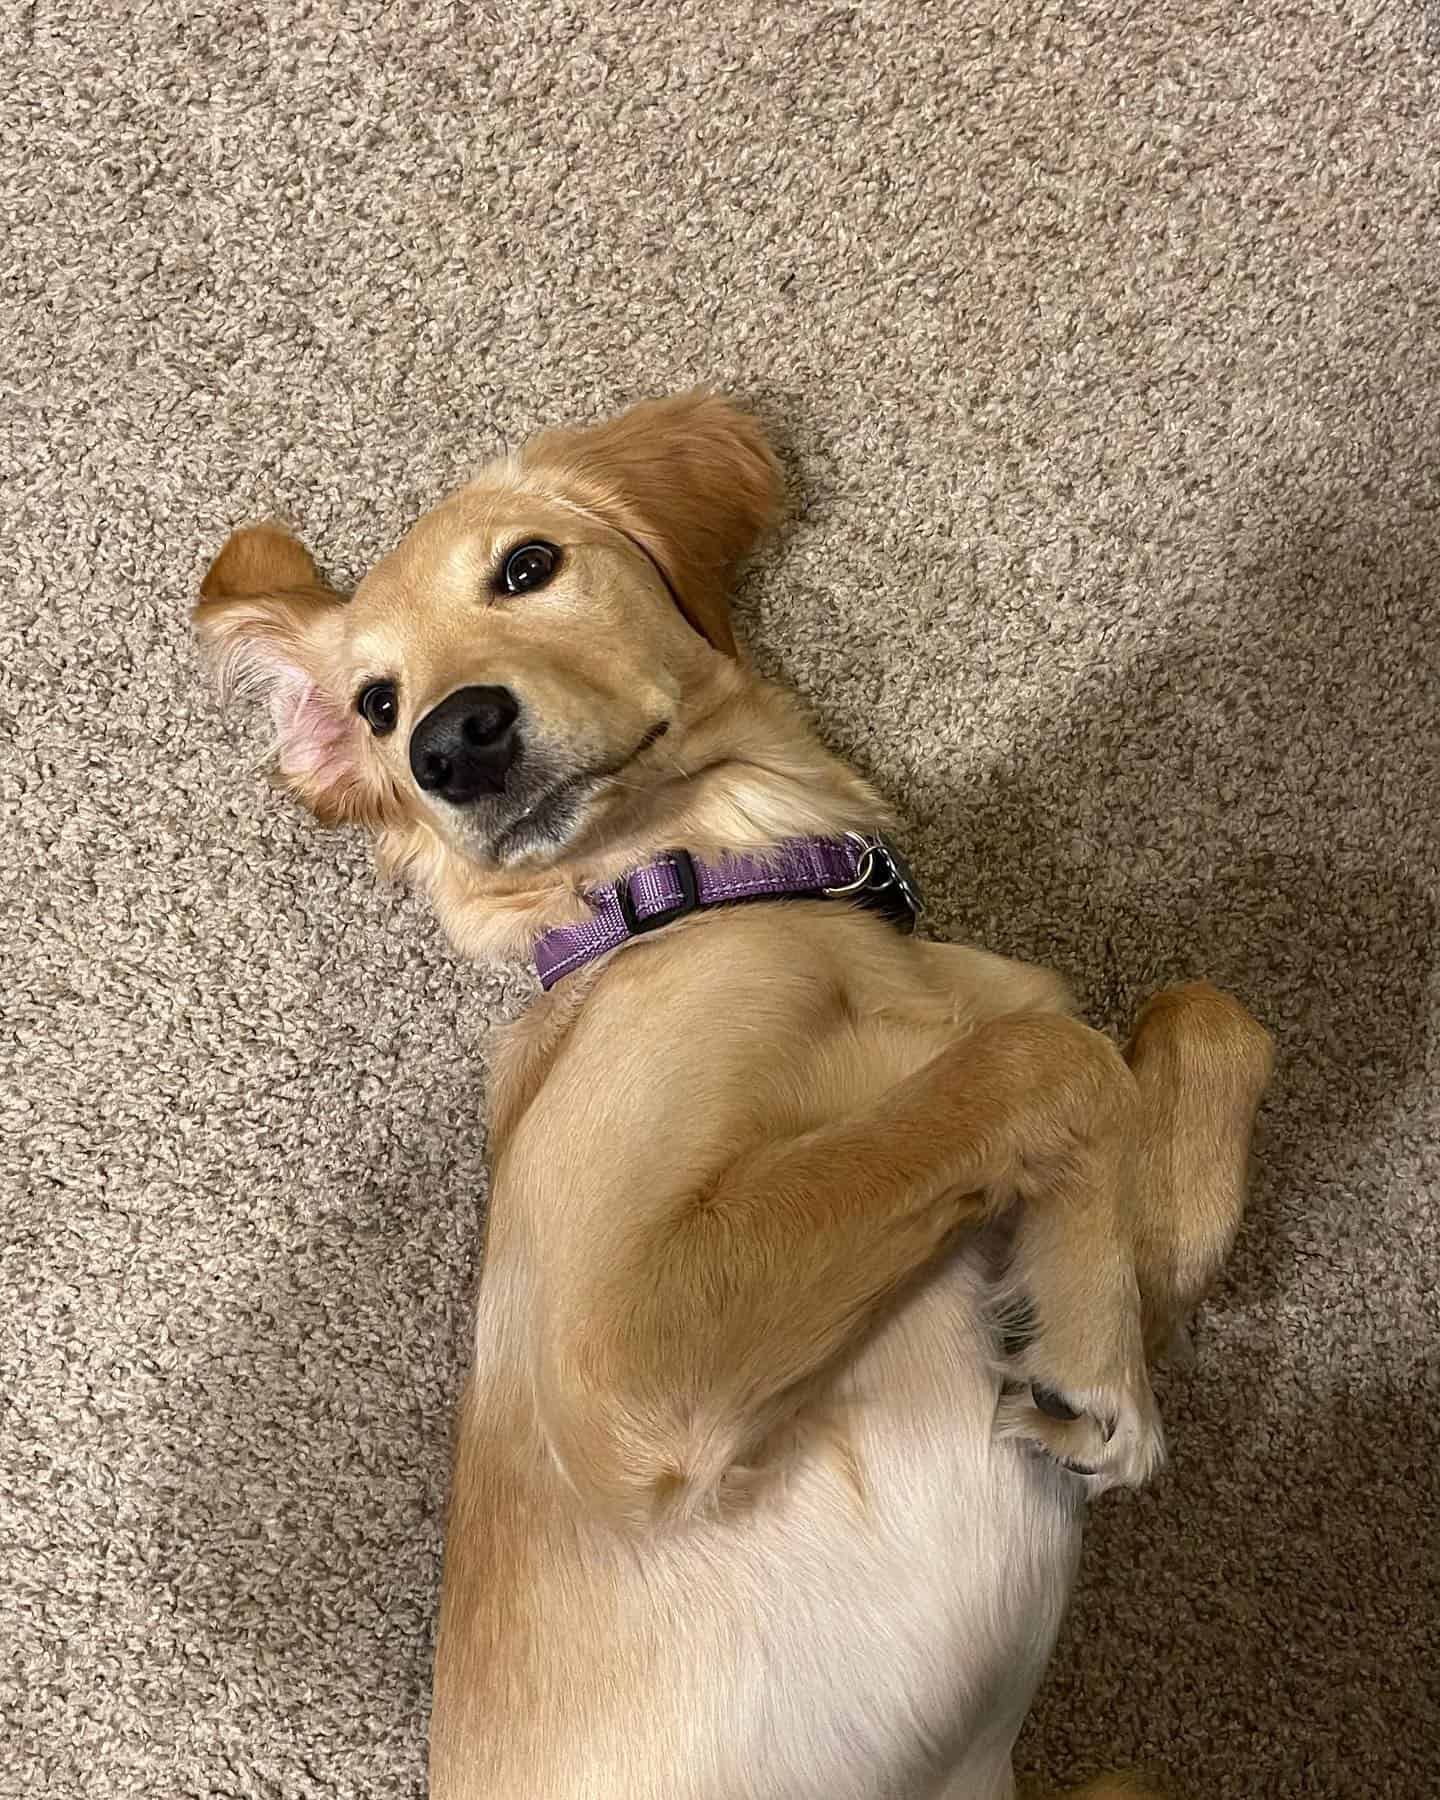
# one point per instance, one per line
(1109, 1435)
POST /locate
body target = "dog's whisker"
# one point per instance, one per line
(607, 782)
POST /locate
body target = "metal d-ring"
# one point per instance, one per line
(863, 874)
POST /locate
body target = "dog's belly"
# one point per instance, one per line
(897, 1616)
(879, 1624)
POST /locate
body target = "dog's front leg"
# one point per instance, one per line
(1202, 1065)
(695, 1334)
(1156, 1234)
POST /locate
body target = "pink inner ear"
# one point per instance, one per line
(317, 738)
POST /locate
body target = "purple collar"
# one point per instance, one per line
(865, 869)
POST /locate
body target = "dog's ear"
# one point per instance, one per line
(690, 479)
(271, 624)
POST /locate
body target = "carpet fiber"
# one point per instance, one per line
(1101, 344)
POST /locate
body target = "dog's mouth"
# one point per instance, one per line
(548, 821)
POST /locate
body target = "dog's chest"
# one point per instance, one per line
(896, 1596)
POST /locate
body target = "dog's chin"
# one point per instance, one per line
(551, 812)
(551, 823)
(545, 829)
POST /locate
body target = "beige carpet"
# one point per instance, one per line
(1104, 346)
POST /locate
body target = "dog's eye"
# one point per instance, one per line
(529, 567)
(379, 706)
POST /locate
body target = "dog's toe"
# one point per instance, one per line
(1110, 1437)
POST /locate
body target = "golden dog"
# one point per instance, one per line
(755, 1496)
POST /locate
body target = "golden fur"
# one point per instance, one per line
(746, 1501)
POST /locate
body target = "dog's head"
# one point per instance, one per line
(532, 648)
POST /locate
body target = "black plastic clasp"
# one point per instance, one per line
(688, 902)
(892, 888)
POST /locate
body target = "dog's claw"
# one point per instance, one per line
(1112, 1439)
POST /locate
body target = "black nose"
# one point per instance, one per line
(463, 747)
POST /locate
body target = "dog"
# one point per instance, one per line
(823, 1261)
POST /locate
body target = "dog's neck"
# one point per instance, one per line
(743, 774)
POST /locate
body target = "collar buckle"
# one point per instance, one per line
(688, 902)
